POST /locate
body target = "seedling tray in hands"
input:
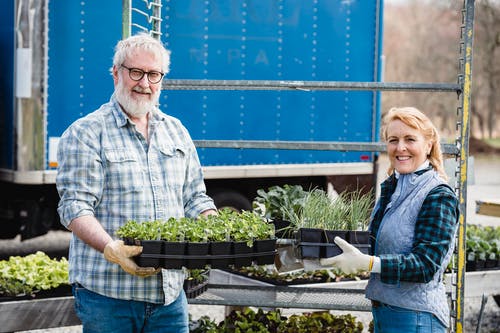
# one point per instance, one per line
(314, 243)
(198, 255)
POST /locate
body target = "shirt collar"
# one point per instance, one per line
(120, 116)
(423, 166)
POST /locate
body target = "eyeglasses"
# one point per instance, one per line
(137, 74)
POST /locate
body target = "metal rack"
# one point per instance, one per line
(234, 290)
(144, 15)
(220, 294)
(284, 297)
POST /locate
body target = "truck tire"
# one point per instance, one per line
(231, 199)
(497, 299)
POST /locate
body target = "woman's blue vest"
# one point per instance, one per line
(395, 236)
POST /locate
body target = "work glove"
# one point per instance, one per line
(351, 260)
(119, 253)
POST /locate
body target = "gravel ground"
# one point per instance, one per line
(483, 184)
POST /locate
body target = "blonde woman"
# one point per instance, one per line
(413, 226)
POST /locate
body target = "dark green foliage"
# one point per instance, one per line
(250, 321)
(279, 202)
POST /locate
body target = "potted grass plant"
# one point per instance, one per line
(320, 221)
(360, 207)
(322, 218)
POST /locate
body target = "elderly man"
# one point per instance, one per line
(127, 161)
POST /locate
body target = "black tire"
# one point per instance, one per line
(231, 199)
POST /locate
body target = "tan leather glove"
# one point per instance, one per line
(350, 261)
(119, 253)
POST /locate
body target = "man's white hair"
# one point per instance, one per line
(141, 41)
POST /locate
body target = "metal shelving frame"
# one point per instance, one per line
(460, 150)
(331, 298)
(153, 17)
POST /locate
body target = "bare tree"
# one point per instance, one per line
(421, 44)
(486, 70)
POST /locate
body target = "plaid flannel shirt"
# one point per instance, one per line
(107, 169)
(434, 232)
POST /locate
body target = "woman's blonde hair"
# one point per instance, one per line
(415, 119)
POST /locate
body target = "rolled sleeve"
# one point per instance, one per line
(195, 197)
(79, 176)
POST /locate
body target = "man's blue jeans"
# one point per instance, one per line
(101, 314)
(393, 319)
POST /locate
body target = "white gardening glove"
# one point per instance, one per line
(350, 261)
(119, 253)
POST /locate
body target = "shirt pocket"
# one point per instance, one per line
(124, 171)
(174, 163)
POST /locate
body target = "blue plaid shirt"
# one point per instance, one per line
(107, 169)
(434, 232)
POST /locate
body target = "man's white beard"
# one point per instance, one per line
(135, 108)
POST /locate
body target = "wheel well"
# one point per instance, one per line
(227, 198)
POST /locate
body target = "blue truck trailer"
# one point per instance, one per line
(56, 55)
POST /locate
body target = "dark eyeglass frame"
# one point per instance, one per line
(138, 70)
